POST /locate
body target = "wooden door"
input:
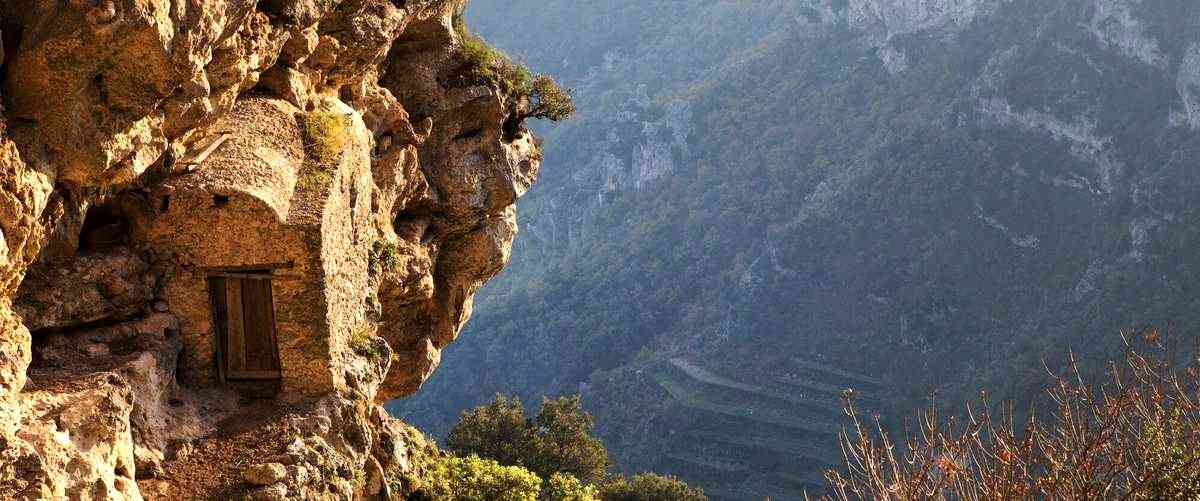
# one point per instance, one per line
(244, 318)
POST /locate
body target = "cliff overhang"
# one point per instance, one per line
(229, 231)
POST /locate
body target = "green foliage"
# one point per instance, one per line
(476, 479)
(556, 445)
(384, 255)
(531, 97)
(549, 101)
(558, 441)
(488, 64)
(564, 442)
(365, 343)
(326, 134)
(1170, 446)
(649, 487)
(564, 487)
(313, 177)
(496, 431)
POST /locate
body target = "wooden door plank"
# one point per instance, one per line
(274, 331)
(236, 346)
(216, 290)
(254, 306)
(262, 352)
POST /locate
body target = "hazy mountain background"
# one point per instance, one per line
(763, 202)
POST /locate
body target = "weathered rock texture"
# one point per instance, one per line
(145, 143)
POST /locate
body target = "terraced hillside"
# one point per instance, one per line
(770, 436)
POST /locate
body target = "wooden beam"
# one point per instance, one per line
(240, 375)
(194, 159)
(250, 267)
(253, 276)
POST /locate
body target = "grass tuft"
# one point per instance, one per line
(364, 342)
(326, 133)
(489, 65)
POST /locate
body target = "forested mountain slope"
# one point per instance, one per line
(763, 202)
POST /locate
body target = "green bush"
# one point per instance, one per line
(649, 487)
(564, 487)
(531, 97)
(496, 431)
(556, 445)
(476, 479)
(384, 255)
(558, 440)
(488, 64)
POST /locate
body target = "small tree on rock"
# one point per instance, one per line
(548, 100)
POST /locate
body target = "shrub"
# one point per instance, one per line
(486, 64)
(1134, 438)
(476, 479)
(384, 255)
(564, 441)
(326, 134)
(313, 178)
(558, 441)
(531, 97)
(649, 487)
(564, 487)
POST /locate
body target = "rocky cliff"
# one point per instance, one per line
(159, 160)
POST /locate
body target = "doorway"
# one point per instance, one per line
(244, 322)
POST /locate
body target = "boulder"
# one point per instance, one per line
(264, 474)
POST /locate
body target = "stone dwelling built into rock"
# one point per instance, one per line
(274, 283)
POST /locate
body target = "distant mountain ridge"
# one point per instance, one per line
(937, 194)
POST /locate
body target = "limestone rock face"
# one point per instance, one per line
(898, 17)
(153, 152)
(88, 289)
(101, 408)
(459, 236)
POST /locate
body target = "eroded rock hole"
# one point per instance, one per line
(10, 38)
(85, 302)
(61, 353)
(469, 134)
(276, 12)
(414, 227)
(512, 127)
(101, 90)
(104, 228)
(220, 200)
